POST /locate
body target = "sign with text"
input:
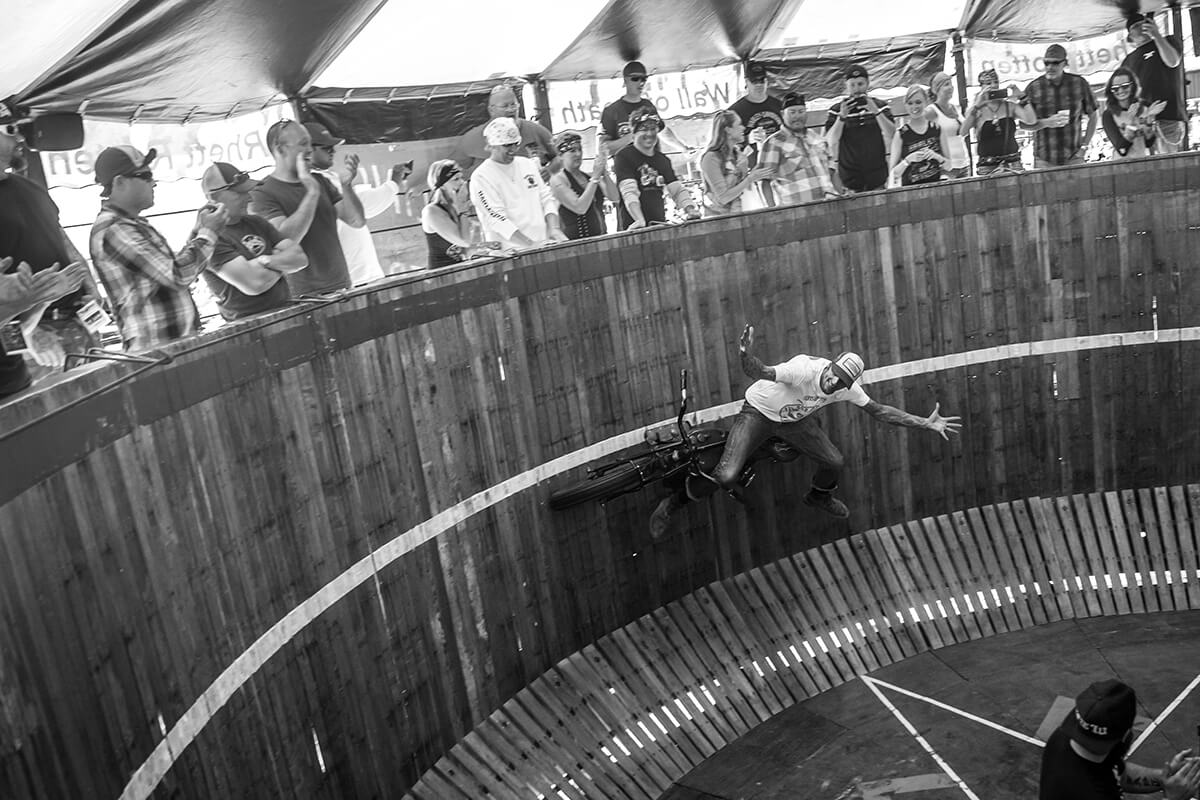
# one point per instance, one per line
(575, 105)
(1020, 63)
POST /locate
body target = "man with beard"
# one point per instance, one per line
(859, 129)
(797, 160)
(1084, 759)
(305, 207)
(645, 176)
(30, 234)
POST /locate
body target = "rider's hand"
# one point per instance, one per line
(747, 339)
(1181, 778)
(942, 425)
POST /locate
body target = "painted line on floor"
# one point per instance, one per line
(941, 762)
(966, 714)
(1166, 712)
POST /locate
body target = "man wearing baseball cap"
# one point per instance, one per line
(513, 203)
(1084, 759)
(1061, 100)
(781, 402)
(761, 116)
(797, 161)
(645, 177)
(246, 273)
(357, 244)
(615, 132)
(859, 129)
(147, 282)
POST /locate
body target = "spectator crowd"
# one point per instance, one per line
(511, 185)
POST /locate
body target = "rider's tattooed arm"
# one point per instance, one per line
(894, 416)
(753, 366)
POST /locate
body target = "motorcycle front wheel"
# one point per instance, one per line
(618, 481)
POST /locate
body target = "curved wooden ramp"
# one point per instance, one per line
(631, 714)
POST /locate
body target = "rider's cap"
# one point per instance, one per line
(1104, 712)
(848, 367)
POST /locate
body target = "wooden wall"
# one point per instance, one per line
(155, 522)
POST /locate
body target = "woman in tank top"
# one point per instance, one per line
(993, 119)
(919, 146)
(440, 219)
(725, 168)
(943, 111)
(580, 196)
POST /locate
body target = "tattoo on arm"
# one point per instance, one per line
(755, 368)
(893, 415)
(1137, 779)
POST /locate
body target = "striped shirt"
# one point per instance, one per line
(801, 171)
(146, 281)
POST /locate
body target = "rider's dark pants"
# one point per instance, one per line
(751, 428)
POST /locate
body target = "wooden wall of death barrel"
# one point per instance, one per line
(260, 550)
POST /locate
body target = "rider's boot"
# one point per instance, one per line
(824, 500)
(660, 519)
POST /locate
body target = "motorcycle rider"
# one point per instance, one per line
(781, 402)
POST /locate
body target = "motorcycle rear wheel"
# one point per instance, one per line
(618, 481)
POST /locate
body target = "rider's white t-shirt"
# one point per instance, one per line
(796, 391)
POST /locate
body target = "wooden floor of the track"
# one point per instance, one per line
(847, 744)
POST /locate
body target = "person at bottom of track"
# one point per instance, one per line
(781, 402)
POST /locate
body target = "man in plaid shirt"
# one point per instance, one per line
(1061, 100)
(798, 161)
(146, 281)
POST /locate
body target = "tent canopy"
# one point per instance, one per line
(179, 60)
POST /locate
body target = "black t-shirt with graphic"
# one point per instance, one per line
(767, 115)
(250, 238)
(1067, 776)
(928, 171)
(614, 119)
(862, 157)
(652, 174)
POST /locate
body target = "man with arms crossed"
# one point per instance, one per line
(782, 401)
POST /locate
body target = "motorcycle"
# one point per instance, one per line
(678, 454)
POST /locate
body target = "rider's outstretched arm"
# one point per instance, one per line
(752, 365)
(895, 416)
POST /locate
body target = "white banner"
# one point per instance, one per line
(1021, 63)
(575, 105)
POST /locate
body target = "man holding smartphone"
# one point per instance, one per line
(31, 236)
(1158, 64)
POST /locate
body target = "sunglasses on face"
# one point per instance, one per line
(1119, 86)
(1053, 62)
(143, 175)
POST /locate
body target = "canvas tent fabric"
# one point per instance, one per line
(177, 60)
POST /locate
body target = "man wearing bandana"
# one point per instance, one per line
(514, 205)
(645, 176)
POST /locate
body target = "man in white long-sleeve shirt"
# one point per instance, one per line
(513, 203)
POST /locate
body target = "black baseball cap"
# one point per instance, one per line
(122, 160)
(793, 99)
(756, 72)
(856, 71)
(1104, 713)
(635, 69)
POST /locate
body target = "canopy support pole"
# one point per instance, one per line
(960, 74)
(541, 103)
(1177, 29)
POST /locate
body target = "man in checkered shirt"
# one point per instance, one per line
(798, 160)
(1062, 101)
(145, 279)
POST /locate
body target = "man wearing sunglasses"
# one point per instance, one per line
(146, 280)
(1061, 100)
(32, 240)
(615, 132)
(246, 273)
